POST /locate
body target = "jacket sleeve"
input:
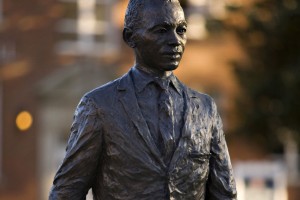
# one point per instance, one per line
(221, 183)
(76, 174)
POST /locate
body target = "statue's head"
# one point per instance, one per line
(156, 30)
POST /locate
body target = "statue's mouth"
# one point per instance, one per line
(172, 55)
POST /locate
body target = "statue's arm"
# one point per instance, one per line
(221, 183)
(78, 170)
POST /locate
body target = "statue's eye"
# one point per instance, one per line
(162, 30)
(181, 30)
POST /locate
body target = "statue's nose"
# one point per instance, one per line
(174, 38)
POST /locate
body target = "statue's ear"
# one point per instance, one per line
(128, 37)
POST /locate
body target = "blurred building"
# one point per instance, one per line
(52, 52)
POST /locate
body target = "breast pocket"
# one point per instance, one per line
(199, 157)
(200, 165)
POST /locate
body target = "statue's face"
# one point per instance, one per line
(161, 39)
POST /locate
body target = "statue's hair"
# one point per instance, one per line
(133, 13)
(134, 10)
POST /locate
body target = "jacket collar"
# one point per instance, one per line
(141, 79)
(144, 79)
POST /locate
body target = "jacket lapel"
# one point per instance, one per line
(130, 104)
(181, 149)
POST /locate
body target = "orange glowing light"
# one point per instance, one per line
(24, 120)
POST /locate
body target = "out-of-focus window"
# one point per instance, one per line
(87, 28)
(199, 12)
(261, 180)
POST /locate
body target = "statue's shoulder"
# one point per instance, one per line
(201, 99)
(109, 88)
(200, 95)
(105, 94)
(105, 89)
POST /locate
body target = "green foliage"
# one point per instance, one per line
(270, 80)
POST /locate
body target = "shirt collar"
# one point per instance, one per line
(142, 79)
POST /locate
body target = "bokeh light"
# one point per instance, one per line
(24, 120)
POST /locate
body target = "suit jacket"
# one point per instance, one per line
(111, 150)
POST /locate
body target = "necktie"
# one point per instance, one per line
(166, 120)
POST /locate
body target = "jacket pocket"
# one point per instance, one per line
(199, 157)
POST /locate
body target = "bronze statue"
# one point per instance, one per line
(146, 135)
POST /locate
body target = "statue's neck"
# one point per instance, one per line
(153, 72)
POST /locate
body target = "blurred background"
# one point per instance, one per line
(244, 53)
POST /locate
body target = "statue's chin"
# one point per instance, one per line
(171, 67)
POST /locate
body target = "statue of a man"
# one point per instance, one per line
(146, 135)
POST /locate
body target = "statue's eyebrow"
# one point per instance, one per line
(167, 24)
(183, 23)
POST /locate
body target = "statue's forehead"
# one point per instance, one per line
(168, 13)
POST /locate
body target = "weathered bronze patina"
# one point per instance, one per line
(146, 135)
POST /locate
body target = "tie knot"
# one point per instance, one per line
(163, 83)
